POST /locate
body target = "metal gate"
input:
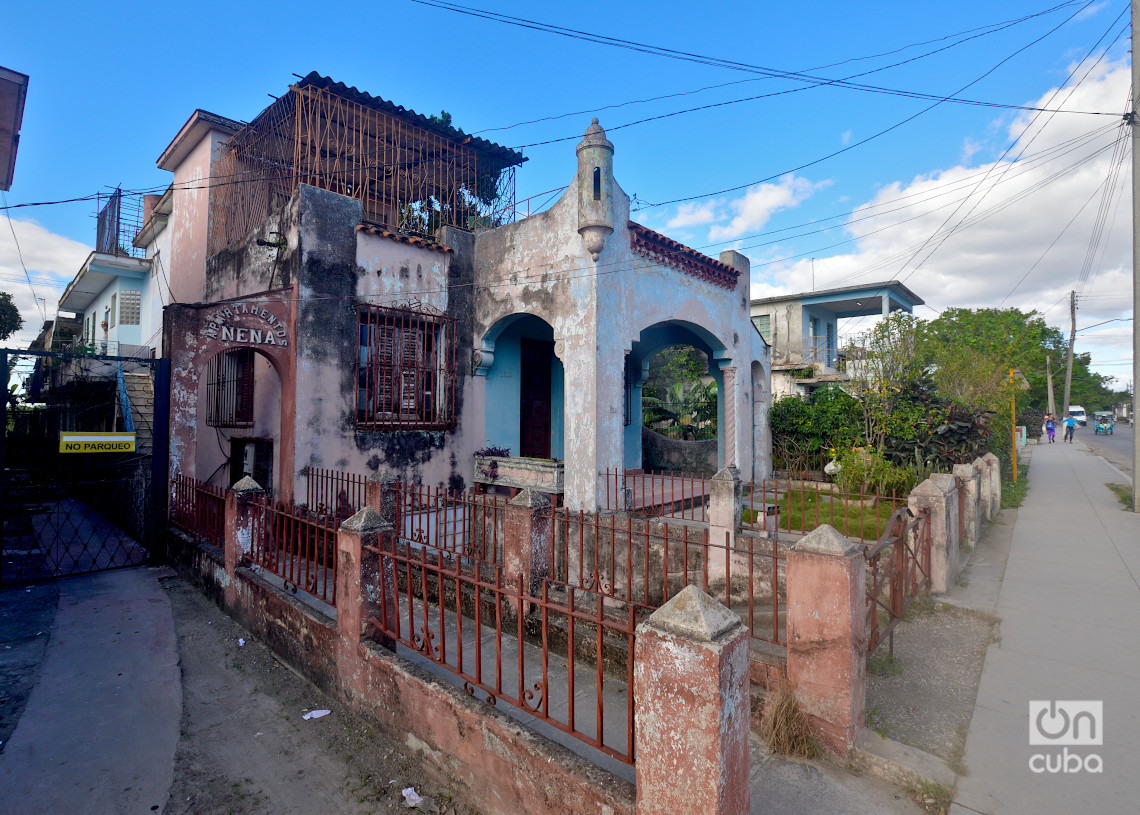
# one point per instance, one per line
(72, 500)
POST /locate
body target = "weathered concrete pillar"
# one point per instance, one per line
(929, 495)
(365, 581)
(692, 717)
(725, 509)
(730, 399)
(383, 495)
(971, 482)
(995, 483)
(949, 486)
(985, 505)
(826, 629)
(528, 539)
(238, 530)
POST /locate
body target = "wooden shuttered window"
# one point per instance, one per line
(405, 370)
(229, 388)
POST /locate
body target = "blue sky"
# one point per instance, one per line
(111, 84)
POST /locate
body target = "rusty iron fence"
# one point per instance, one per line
(898, 567)
(798, 507)
(458, 522)
(561, 653)
(198, 508)
(635, 560)
(663, 494)
(334, 492)
(297, 545)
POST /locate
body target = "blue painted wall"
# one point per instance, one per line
(504, 389)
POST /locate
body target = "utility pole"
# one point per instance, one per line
(1049, 379)
(1072, 338)
(1013, 419)
(1131, 118)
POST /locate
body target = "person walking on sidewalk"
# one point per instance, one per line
(1051, 428)
(1070, 425)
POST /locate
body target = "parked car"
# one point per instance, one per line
(1079, 414)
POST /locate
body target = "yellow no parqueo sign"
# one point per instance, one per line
(96, 442)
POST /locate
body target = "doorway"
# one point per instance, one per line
(534, 398)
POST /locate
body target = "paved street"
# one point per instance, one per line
(1070, 631)
(1117, 448)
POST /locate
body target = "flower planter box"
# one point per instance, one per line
(538, 474)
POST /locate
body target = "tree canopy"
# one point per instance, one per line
(10, 320)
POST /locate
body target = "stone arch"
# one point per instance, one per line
(651, 341)
(194, 334)
(524, 387)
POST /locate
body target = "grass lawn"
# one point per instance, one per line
(804, 510)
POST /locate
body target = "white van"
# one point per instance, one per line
(1079, 414)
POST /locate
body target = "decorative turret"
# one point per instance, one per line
(595, 188)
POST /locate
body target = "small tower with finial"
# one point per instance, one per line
(595, 189)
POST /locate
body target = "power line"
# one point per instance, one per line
(20, 255)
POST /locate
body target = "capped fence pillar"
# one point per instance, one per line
(950, 486)
(528, 539)
(383, 495)
(826, 629)
(365, 580)
(725, 509)
(930, 496)
(971, 481)
(691, 719)
(995, 483)
(238, 530)
(985, 504)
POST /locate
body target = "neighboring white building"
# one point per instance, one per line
(803, 330)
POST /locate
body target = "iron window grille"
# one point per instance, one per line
(229, 386)
(405, 370)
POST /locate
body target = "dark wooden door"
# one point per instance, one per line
(534, 430)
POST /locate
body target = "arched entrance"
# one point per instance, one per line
(525, 388)
(232, 385)
(652, 341)
(239, 405)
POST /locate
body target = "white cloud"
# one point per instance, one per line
(1016, 210)
(758, 204)
(696, 214)
(845, 137)
(52, 261)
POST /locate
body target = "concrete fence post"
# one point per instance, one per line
(826, 629)
(932, 496)
(365, 582)
(238, 540)
(971, 481)
(948, 484)
(528, 539)
(692, 709)
(995, 483)
(383, 495)
(725, 515)
(985, 504)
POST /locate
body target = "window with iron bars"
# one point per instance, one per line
(229, 389)
(405, 370)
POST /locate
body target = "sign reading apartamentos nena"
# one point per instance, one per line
(96, 442)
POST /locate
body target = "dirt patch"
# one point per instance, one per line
(925, 695)
(245, 747)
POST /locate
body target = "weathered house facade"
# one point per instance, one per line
(363, 299)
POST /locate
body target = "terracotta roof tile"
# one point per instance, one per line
(398, 237)
(655, 246)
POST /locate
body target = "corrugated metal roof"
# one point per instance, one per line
(505, 155)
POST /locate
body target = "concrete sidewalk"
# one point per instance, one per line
(1070, 631)
(101, 725)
